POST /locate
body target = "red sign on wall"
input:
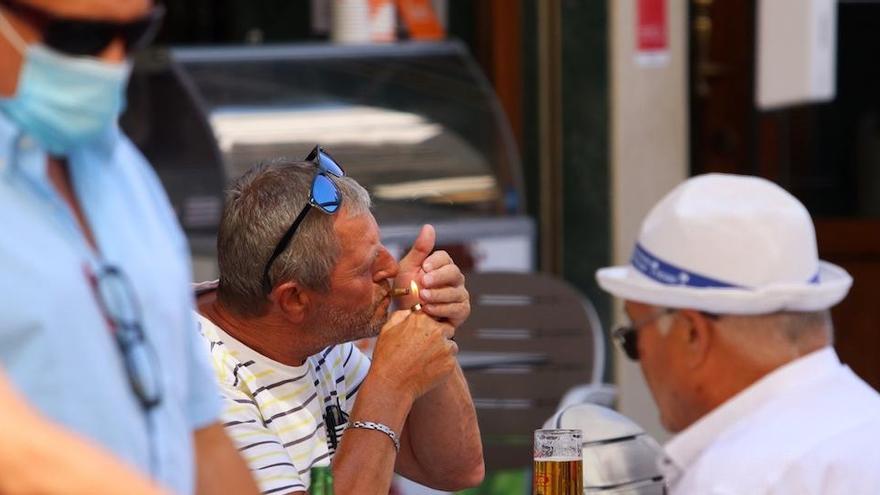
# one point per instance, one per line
(652, 40)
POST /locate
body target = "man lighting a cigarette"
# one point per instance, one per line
(302, 275)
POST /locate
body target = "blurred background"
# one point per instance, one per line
(534, 134)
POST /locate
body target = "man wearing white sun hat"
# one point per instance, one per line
(731, 326)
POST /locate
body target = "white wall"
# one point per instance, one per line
(649, 155)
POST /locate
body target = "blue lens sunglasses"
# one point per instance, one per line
(324, 196)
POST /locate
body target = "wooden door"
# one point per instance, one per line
(828, 155)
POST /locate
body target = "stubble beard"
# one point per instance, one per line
(341, 325)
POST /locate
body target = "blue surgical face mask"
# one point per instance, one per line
(63, 101)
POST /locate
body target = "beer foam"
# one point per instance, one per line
(559, 459)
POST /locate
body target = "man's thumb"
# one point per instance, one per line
(421, 248)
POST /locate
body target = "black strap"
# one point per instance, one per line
(282, 245)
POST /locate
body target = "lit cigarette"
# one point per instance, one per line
(400, 292)
(414, 290)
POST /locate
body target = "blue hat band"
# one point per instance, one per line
(668, 274)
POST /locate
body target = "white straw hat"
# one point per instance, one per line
(728, 244)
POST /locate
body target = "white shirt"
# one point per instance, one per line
(275, 414)
(809, 427)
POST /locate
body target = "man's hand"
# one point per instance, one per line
(39, 456)
(413, 356)
(220, 467)
(414, 353)
(443, 294)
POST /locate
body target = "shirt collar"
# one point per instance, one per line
(21, 156)
(13, 141)
(684, 449)
(8, 134)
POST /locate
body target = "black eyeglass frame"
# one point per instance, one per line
(627, 336)
(130, 338)
(85, 37)
(317, 157)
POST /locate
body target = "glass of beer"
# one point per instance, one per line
(558, 463)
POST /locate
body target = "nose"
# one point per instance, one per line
(115, 51)
(386, 266)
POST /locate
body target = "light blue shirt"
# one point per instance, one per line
(56, 344)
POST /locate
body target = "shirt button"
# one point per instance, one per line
(26, 143)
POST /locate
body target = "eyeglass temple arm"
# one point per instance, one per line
(282, 245)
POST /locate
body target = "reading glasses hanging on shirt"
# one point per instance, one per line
(117, 300)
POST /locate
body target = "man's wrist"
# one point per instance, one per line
(389, 386)
(380, 400)
(379, 427)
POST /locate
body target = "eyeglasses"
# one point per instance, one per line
(82, 37)
(324, 196)
(335, 421)
(117, 300)
(627, 336)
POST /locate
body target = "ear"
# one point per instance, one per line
(292, 300)
(699, 337)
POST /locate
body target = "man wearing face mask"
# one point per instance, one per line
(96, 331)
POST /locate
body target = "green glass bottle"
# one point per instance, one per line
(321, 481)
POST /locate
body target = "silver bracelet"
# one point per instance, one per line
(369, 425)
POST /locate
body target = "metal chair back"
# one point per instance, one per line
(530, 338)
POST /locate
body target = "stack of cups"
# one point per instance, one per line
(363, 21)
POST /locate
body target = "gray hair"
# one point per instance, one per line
(763, 338)
(260, 207)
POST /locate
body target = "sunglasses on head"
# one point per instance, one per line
(324, 196)
(86, 37)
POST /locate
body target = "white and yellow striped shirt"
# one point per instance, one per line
(275, 413)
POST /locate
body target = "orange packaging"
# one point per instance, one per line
(382, 20)
(420, 20)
